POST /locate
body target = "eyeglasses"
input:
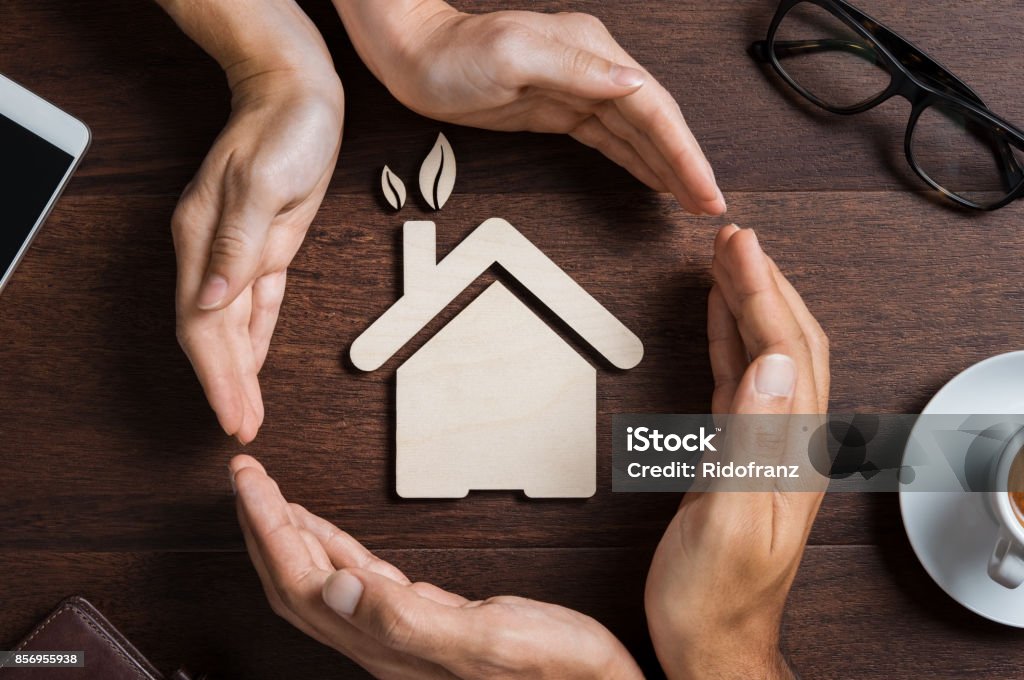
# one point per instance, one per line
(846, 62)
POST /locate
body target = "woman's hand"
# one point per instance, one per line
(514, 70)
(721, 574)
(239, 224)
(323, 582)
(242, 218)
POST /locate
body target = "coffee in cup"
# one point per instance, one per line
(1006, 499)
(1015, 485)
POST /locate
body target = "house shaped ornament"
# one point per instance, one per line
(495, 399)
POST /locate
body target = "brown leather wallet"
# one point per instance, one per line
(75, 625)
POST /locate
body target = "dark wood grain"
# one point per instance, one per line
(155, 101)
(854, 613)
(199, 609)
(115, 481)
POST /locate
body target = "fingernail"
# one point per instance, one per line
(776, 376)
(624, 76)
(342, 592)
(213, 291)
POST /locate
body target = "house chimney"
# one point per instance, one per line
(419, 256)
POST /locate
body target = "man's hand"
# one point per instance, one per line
(242, 218)
(327, 585)
(721, 574)
(515, 70)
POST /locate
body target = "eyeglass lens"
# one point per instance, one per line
(827, 58)
(964, 155)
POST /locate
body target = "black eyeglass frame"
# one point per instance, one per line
(916, 77)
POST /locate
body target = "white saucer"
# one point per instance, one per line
(953, 533)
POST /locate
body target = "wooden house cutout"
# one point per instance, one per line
(496, 399)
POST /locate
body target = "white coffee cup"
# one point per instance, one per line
(1006, 565)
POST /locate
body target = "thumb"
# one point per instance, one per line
(397, 616)
(556, 66)
(767, 386)
(763, 402)
(236, 250)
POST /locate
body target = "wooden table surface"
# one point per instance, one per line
(115, 483)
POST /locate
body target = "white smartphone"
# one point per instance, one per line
(40, 147)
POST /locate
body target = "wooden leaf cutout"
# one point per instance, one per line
(393, 188)
(437, 174)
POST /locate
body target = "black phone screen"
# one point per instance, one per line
(31, 170)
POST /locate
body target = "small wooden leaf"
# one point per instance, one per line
(393, 188)
(437, 174)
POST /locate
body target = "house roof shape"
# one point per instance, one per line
(430, 286)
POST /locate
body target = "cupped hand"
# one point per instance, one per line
(329, 586)
(516, 70)
(721, 574)
(240, 222)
